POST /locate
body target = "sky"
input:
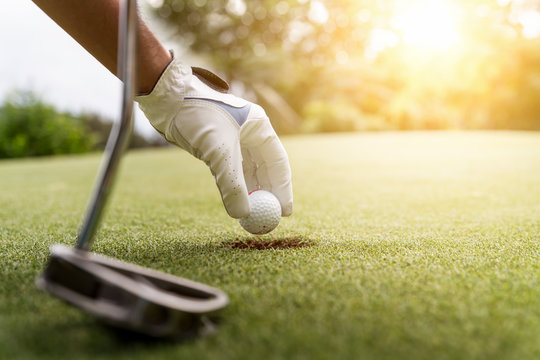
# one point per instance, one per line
(38, 55)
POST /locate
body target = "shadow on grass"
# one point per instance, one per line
(71, 338)
(255, 243)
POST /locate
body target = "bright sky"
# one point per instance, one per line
(430, 24)
(38, 55)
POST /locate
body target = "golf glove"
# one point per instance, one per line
(191, 108)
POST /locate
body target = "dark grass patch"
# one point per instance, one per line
(255, 243)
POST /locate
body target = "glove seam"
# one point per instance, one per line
(201, 102)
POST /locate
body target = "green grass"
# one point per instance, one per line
(425, 246)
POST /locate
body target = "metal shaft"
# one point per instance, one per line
(121, 131)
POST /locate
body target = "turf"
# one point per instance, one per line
(413, 246)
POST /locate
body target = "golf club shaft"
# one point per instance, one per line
(121, 131)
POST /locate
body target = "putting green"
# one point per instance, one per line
(401, 246)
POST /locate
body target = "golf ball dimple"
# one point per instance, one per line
(264, 213)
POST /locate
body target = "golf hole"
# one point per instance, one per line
(255, 243)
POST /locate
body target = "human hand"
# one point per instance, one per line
(191, 108)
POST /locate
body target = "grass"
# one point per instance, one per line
(417, 246)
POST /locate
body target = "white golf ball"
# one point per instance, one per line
(264, 213)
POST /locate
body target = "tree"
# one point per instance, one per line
(365, 65)
(29, 127)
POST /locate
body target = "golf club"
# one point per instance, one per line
(123, 294)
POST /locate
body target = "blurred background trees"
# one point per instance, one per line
(31, 127)
(326, 66)
(372, 65)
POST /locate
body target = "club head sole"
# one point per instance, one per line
(131, 297)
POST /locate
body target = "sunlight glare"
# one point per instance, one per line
(430, 24)
(318, 12)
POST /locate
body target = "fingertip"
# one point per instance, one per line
(237, 205)
(238, 214)
(287, 210)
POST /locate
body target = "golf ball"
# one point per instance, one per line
(264, 213)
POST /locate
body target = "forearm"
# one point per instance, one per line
(94, 25)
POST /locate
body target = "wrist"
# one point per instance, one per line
(151, 66)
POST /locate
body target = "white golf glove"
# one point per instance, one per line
(191, 108)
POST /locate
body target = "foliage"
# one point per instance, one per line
(29, 127)
(388, 59)
(323, 116)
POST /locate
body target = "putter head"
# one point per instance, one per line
(129, 296)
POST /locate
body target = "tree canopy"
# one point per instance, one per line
(30, 126)
(369, 65)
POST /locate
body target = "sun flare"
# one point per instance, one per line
(430, 24)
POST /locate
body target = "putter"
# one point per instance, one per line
(122, 294)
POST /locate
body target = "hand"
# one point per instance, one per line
(191, 108)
